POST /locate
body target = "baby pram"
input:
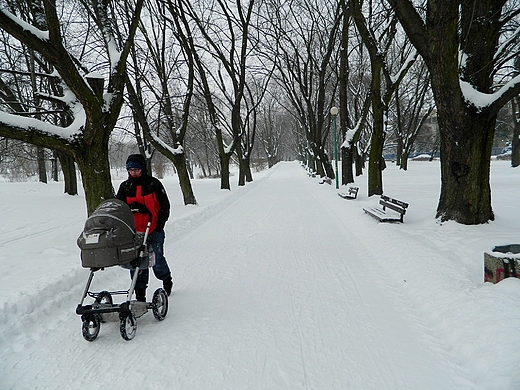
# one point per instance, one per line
(109, 239)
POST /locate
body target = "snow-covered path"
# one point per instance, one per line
(279, 285)
(292, 301)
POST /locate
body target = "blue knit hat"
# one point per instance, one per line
(133, 164)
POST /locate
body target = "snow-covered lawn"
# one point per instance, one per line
(280, 284)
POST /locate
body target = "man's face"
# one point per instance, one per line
(134, 172)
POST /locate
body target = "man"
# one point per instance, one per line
(141, 189)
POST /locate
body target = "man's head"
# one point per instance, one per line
(136, 165)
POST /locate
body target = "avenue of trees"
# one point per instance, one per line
(218, 82)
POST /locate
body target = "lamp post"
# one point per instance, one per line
(334, 113)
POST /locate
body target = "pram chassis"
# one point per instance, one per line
(104, 310)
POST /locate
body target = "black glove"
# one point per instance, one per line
(138, 207)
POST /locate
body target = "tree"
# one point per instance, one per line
(169, 63)
(304, 37)
(464, 44)
(515, 103)
(515, 142)
(354, 97)
(221, 58)
(201, 141)
(379, 37)
(256, 88)
(25, 81)
(93, 111)
(272, 126)
(412, 107)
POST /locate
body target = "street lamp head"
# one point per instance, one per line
(334, 111)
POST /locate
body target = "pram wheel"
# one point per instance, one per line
(90, 328)
(127, 325)
(160, 304)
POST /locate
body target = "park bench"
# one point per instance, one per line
(397, 207)
(327, 180)
(350, 194)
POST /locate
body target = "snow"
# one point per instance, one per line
(43, 35)
(280, 284)
(482, 100)
(32, 124)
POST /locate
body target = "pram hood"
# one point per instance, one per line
(109, 236)
(113, 214)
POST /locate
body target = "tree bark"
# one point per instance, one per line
(466, 131)
(42, 170)
(95, 172)
(68, 168)
(515, 142)
(375, 168)
(224, 171)
(179, 161)
(347, 160)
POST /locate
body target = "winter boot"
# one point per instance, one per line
(168, 285)
(140, 294)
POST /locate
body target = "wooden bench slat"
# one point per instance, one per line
(351, 194)
(381, 216)
(393, 204)
(404, 205)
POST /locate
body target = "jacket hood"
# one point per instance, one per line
(140, 158)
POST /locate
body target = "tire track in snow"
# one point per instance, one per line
(29, 233)
(389, 235)
(333, 253)
(360, 278)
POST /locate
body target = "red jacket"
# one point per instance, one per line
(148, 191)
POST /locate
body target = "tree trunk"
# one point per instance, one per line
(179, 161)
(375, 168)
(347, 160)
(241, 166)
(347, 175)
(403, 158)
(225, 160)
(466, 134)
(189, 168)
(42, 171)
(68, 168)
(359, 160)
(247, 167)
(515, 142)
(54, 166)
(465, 166)
(95, 172)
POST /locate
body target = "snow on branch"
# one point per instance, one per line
(349, 136)
(484, 100)
(405, 66)
(43, 35)
(505, 45)
(31, 124)
(176, 150)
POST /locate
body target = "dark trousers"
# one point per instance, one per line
(160, 269)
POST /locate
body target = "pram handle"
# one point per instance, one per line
(141, 208)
